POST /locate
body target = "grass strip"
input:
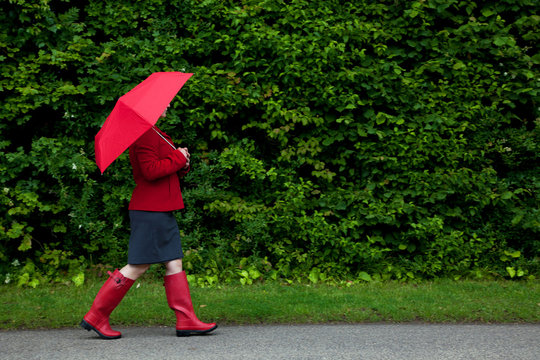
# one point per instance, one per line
(442, 301)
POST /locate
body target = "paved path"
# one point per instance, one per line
(364, 341)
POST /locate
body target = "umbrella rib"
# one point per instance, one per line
(163, 137)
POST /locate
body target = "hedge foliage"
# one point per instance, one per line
(332, 140)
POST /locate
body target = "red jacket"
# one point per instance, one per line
(156, 166)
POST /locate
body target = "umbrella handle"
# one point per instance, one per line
(163, 137)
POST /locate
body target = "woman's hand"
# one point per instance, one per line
(186, 154)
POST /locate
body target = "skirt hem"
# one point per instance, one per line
(153, 262)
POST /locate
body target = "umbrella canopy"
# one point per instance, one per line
(135, 113)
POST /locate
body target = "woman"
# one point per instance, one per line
(155, 238)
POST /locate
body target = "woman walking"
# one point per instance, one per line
(157, 165)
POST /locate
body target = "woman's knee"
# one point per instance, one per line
(174, 266)
(134, 271)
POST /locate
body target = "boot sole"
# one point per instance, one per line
(88, 327)
(183, 333)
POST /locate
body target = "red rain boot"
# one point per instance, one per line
(179, 299)
(107, 299)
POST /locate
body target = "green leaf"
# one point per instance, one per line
(511, 271)
(488, 12)
(33, 283)
(254, 274)
(23, 279)
(26, 243)
(328, 141)
(59, 228)
(365, 276)
(517, 219)
(514, 254)
(314, 276)
(506, 195)
(459, 65)
(78, 279)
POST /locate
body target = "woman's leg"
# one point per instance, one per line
(179, 300)
(173, 267)
(133, 272)
(108, 298)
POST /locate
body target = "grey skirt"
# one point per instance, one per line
(154, 237)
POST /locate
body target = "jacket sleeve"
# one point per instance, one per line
(183, 172)
(153, 168)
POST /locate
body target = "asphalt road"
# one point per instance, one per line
(364, 341)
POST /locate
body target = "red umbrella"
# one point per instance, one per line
(135, 113)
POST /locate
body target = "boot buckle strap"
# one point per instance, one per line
(118, 278)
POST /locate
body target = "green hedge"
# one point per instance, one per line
(331, 140)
